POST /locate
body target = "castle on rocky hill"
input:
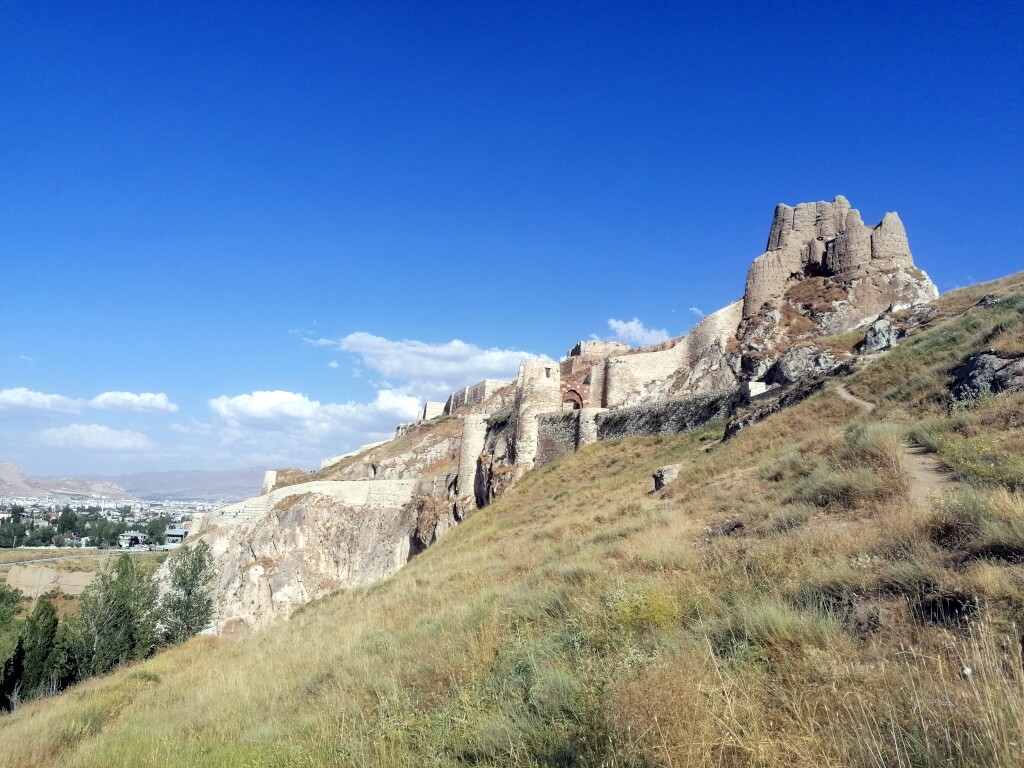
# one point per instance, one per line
(824, 273)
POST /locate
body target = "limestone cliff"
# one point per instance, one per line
(315, 541)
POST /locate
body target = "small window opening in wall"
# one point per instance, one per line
(547, 373)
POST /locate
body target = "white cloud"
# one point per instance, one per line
(428, 369)
(27, 399)
(26, 358)
(129, 401)
(332, 364)
(93, 436)
(296, 415)
(193, 427)
(697, 311)
(22, 398)
(636, 333)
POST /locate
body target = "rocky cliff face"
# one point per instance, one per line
(309, 545)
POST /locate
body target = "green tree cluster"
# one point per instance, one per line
(120, 620)
(24, 530)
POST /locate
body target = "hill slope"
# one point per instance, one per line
(808, 593)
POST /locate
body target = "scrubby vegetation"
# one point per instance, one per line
(795, 598)
(119, 620)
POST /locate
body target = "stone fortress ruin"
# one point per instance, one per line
(823, 273)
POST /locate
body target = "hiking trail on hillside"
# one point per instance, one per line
(927, 473)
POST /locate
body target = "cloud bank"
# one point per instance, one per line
(428, 370)
(94, 437)
(636, 333)
(21, 398)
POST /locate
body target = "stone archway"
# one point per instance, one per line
(571, 400)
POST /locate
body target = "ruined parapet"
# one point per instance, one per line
(474, 430)
(270, 480)
(473, 395)
(538, 390)
(431, 410)
(642, 375)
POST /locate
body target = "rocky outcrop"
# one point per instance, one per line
(861, 271)
(987, 374)
(881, 335)
(665, 475)
(801, 364)
(311, 544)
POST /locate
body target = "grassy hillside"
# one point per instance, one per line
(807, 594)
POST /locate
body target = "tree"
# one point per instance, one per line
(117, 618)
(10, 598)
(188, 607)
(10, 677)
(67, 521)
(156, 529)
(42, 671)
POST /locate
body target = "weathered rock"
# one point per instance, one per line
(311, 544)
(987, 374)
(665, 475)
(988, 300)
(882, 334)
(801, 364)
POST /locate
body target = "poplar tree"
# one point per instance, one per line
(188, 607)
(42, 667)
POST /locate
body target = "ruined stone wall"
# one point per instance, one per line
(538, 390)
(557, 436)
(474, 431)
(350, 493)
(665, 418)
(473, 394)
(432, 410)
(270, 479)
(633, 378)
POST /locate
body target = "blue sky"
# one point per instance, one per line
(258, 233)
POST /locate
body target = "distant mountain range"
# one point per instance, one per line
(199, 484)
(14, 482)
(206, 485)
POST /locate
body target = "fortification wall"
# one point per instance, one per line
(270, 480)
(473, 394)
(665, 418)
(557, 436)
(432, 410)
(474, 432)
(538, 390)
(324, 463)
(627, 378)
